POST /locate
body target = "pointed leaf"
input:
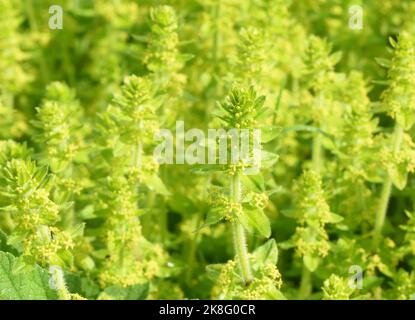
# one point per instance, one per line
(335, 218)
(385, 63)
(268, 252)
(255, 221)
(268, 159)
(270, 133)
(154, 183)
(214, 215)
(311, 262)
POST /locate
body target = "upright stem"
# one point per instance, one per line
(215, 57)
(216, 35)
(44, 73)
(191, 251)
(147, 220)
(317, 152)
(239, 238)
(317, 147)
(305, 285)
(68, 216)
(137, 154)
(386, 189)
(317, 159)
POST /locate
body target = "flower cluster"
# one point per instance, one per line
(337, 288)
(400, 96)
(26, 198)
(313, 213)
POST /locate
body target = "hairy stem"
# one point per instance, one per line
(239, 238)
(386, 190)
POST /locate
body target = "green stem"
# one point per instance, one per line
(317, 153)
(305, 285)
(164, 222)
(137, 154)
(191, 251)
(239, 238)
(44, 73)
(317, 148)
(386, 189)
(317, 164)
(215, 56)
(68, 216)
(216, 35)
(67, 63)
(147, 220)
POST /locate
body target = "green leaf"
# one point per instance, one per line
(393, 42)
(81, 284)
(154, 183)
(4, 246)
(270, 133)
(311, 262)
(275, 294)
(214, 215)
(207, 168)
(336, 57)
(399, 176)
(381, 82)
(41, 174)
(255, 221)
(135, 292)
(291, 213)
(267, 253)
(77, 230)
(186, 57)
(182, 204)
(213, 271)
(259, 102)
(87, 212)
(30, 285)
(268, 159)
(385, 269)
(385, 63)
(335, 218)
(253, 182)
(307, 128)
(287, 244)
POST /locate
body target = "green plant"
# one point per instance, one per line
(86, 211)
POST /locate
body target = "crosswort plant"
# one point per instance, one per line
(207, 149)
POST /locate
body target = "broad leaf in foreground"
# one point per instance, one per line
(31, 285)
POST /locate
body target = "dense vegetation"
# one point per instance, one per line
(86, 211)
